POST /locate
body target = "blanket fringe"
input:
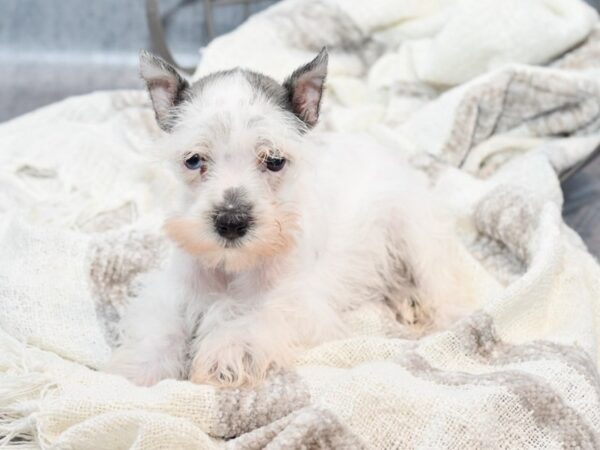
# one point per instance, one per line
(21, 390)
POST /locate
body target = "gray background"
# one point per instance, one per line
(52, 49)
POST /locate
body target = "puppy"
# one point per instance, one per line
(277, 231)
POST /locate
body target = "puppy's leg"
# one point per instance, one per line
(422, 280)
(241, 348)
(154, 335)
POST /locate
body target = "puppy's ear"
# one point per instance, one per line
(305, 88)
(165, 86)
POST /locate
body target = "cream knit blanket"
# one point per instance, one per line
(491, 98)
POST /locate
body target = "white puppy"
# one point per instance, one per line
(278, 231)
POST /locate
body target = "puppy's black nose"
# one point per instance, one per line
(231, 224)
(233, 216)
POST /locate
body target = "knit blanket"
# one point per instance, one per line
(493, 99)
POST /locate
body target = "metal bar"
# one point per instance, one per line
(208, 19)
(157, 35)
(157, 32)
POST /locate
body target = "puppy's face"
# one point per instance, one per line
(234, 140)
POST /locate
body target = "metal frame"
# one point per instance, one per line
(157, 31)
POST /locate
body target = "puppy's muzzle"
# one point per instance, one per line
(232, 225)
(233, 218)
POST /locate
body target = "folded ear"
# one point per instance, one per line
(305, 88)
(165, 86)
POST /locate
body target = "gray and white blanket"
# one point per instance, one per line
(491, 98)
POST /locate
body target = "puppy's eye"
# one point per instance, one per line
(194, 162)
(274, 164)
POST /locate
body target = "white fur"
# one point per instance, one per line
(355, 225)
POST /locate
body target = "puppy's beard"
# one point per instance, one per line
(272, 234)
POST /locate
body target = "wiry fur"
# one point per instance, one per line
(345, 222)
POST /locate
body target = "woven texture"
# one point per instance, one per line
(82, 200)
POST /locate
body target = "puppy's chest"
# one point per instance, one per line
(246, 288)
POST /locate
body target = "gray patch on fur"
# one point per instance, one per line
(400, 287)
(235, 199)
(269, 88)
(207, 80)
(280, 96)
(261, 84)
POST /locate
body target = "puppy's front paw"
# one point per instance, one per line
(234, 365)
